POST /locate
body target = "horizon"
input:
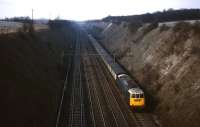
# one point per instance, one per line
(42, 18)
(88, 9)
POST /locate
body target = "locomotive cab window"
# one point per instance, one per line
(137, 95)
(132, 96)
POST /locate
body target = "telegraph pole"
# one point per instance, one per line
(32, 16)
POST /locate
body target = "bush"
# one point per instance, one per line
(57, 24)
(27, 28)
(196, 27)
(185, 27)
(196, 51)
(123, 53)
(133, 27)
(182, 27)
(150, 27)
(164, 27)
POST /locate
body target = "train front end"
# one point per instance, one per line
(136, 98)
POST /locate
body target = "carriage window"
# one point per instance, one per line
(137, 96)
(141, 95)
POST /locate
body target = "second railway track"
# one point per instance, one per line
(76, 116)
(91, 97)
(110, 113)
(123, 110)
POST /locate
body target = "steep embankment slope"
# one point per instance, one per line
(32, 73)
(164, 58)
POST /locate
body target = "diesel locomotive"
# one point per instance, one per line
(129, 88)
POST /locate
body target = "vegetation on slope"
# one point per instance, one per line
(32, 76)
(164, 59)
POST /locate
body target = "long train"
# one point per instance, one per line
(130, 89)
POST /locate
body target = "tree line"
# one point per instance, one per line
(164, 16)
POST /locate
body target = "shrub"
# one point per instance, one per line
(123, 53)
(133, 27)
(150, 27)
(196, 51)
(196, 27)
(57, 24)
(164, 27)
(182, 27)
(176, 88)
(117, 22)
(26, 28)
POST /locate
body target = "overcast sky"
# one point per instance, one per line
(88, 9)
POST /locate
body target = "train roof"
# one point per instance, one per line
(118, 70)
(135, 91)
(128, 80)
(106, 56)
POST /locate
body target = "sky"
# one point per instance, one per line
(88, 9)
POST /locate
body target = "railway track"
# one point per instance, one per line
(62, 114)
(139, 119)
(77, 112)
(132, 118)
(63, 91)
(109, 112)
(145, 120)
(97, 112)
(117, 112)
(119, 97)
(90, 96)
(73, 107)
(99, 108)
